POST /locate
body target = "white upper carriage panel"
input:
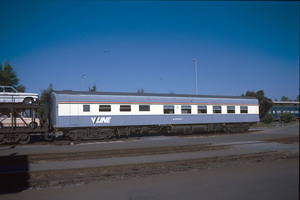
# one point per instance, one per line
(81, 108)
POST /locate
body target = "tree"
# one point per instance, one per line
(141, 90)
(45, 94)
(265, 104)
(284, 98)
(267, 119)
(93, 89)
(9, 77)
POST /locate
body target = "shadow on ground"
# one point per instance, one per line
(14, 173)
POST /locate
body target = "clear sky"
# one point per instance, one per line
(124, 46)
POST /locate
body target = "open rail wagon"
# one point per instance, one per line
(97, 115)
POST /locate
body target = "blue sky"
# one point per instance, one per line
(123, 46)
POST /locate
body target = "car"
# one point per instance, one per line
(21, 121)
(9, 94)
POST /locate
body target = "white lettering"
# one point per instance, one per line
(100, 120)
(105, 119)
(94, 119)
(177, 118)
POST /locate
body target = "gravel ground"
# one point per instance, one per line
(149, 156)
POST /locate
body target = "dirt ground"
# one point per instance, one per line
(20, 180)
(60, 178)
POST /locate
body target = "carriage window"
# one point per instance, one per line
(168, 109)
(202, 109)
(244, 109)
(125, 108)
(230, 109)
(86, 108)
(186, 110)
(217, 109)
(104, 108)
(144, 108)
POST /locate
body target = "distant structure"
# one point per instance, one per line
(285, 107)
(196, 72)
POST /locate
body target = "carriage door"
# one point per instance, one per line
(74, 112)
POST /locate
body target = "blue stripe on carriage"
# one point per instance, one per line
(139, 120)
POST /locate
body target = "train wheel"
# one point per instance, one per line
(24, 139)
(246, 127)
(71, 135)
(225, 129)
(1, 139)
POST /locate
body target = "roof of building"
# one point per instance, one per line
(286, 102)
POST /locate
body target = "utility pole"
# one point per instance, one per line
(196, 72)
(83, 75)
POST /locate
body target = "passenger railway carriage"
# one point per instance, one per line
(94, 115)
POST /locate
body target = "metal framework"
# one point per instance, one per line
(12, 115)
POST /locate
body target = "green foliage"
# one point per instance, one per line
(20, 88)
(45, 94)
(9, 77)
(141, 90)
(265, 104)
(267, 119)
(93, 89)
(287, 117)
(284, 98)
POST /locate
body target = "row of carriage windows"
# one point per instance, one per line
(170, 109)
(203, 109)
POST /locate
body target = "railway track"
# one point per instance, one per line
(61, 140)
(54, 157)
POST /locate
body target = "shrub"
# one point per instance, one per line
(267, 119)
(287, 117)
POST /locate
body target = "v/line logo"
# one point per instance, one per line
(100, 120)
